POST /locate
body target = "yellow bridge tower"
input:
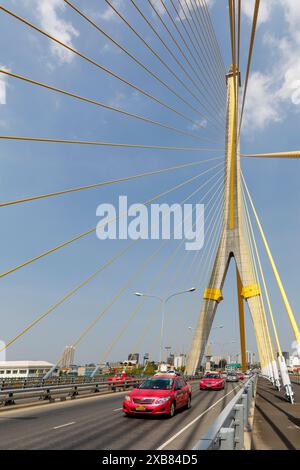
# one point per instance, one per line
(233, 244)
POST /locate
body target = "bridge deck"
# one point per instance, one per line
(276, 422)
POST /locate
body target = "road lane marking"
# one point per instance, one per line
(195, 420)
(64, 425)
(118, 409)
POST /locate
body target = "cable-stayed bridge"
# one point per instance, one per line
(185, 104)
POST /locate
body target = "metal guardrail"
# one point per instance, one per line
(295, 378)
(14, 395)
(39, 382)
(29, 382)
(50, 393)
(227, 432)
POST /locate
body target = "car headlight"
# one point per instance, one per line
(127, 398)
(162, 400)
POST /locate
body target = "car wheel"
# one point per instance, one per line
(127, 415)
(189, 402)
(172, 410)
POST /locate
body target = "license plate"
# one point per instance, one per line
(140, 408)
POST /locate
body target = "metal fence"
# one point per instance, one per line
(61, 391)
(295, 378)
(228, 431)
(52, 392)
(30, 382)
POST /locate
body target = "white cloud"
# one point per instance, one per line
(3, 85)
(199, 124)
(161, 10)
(48, 12)
(271, 94)
(265, 10)
(118, 100)
(109, 14)
(261, 107)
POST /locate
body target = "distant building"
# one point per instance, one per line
(146, 359)
(170, 360)
(24, 369)
(208, 356)
(250, 358)
(295, 362)
(85, 371)
(68, 356)
(216, 360)
(286, 356)
(134, 358)
(180, 361)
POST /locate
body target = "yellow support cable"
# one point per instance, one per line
(133, 316)
(211, 32)
(97, 185)
(241, 321)
(103, 105)
(87, 232)
(292, 154)
(200, 273)
(68, 295)
(252, 39)
(183, 68)
(209, 256)
(134, 58)
(217, 79)
(150, 48)
(261, 341)
(276, 274)
(214, 219)
(82, 284)
(104, 69)
(239, 33)
(197, 255)
(210, 77)
(213, 246)
(186, 44)
(148, 326)
(269, 349)
(263, 278)
(121, 291)
(107, 144)
(202, 33)
(206, 33)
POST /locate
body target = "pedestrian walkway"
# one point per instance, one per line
(276, 423)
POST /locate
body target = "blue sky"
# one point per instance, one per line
(271, 123)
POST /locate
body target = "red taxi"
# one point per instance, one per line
(159, 395)
(212, 381)
(119, 378)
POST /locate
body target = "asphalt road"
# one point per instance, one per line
(276, 422)
(98, 423)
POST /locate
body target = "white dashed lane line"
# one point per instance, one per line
(64, 425)
(195, 420)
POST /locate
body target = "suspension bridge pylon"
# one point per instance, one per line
(233, 244)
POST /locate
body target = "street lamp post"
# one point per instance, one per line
(163, 301)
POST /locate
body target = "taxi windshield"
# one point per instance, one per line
(157, 384)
